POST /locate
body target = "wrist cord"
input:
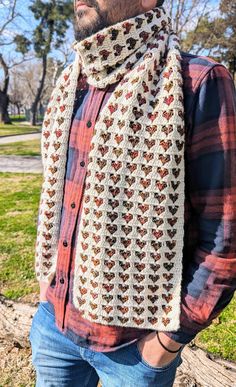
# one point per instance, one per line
(169, 350)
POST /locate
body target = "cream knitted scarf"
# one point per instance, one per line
(128, 263)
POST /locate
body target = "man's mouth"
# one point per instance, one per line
(81, 4)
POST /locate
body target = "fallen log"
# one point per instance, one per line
(204, 370)
(15, 320)
(199, 368)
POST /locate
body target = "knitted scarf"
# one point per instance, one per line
(128, 263)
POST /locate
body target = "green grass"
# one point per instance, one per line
(220, 337)
(17, 128)
(22, 148)
(18, 118)
(19, 198)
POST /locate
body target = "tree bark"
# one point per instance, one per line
(15, 320)
(4, 98)
(199, 369)
(4, 103)
(35, 104)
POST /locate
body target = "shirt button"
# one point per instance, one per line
(72, 205)
(65, 244)
(82, 163)
(62, 280)
(89, 124)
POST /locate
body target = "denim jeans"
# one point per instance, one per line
(59, 362)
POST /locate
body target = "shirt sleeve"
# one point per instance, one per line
(209, 272)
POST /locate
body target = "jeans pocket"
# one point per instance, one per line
(173, 363)
(47, 307)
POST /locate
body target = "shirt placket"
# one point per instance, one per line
(75, 197)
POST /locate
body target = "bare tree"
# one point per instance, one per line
(186, 14)
(24, 82)
(9, 15)
(17, 91)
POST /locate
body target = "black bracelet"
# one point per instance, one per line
(169, 350)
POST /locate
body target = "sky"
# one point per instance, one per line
(24, 24)
(26, 21)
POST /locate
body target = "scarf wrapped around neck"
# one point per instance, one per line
(128, 265)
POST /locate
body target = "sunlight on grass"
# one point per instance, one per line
(22, 148)
(17, 128)
(220, 337)
(19, 198)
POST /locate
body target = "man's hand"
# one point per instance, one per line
(152, 351)
(43, 290)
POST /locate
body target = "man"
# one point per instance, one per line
(135, 251)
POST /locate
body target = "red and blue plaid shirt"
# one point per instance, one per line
(209, 257)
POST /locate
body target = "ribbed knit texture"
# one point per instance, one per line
(128, 265)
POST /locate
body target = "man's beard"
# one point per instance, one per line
(101, 22)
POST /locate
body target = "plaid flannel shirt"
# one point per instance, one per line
(209, 256)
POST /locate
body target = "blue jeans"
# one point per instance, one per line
(59, 362)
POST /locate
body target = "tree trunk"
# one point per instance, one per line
(4, 98)
(4, 103)
(18, 110)
(199, 369)
(34, 106)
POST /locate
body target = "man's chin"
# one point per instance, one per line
(86, 19)
(88, 23)
(83, 18)
(85, 13)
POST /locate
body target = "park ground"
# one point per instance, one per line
(18, 126)
(19, 199)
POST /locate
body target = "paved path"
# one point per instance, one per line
(20, 137)
(22, 164)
